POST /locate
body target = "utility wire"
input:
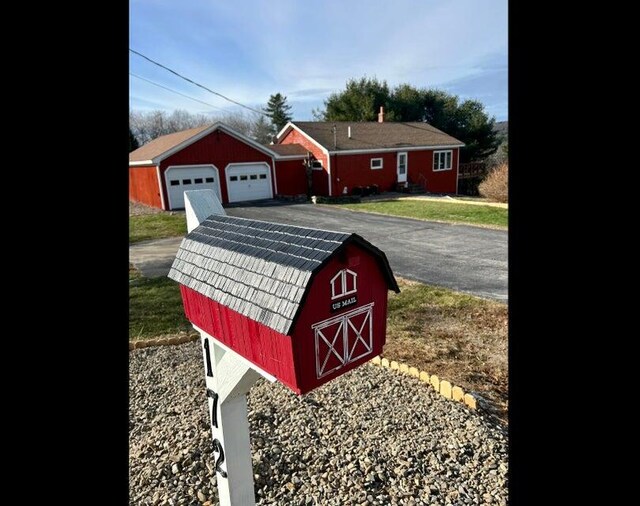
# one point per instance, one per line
(197, 84)
(176, 92)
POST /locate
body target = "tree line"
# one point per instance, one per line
(361, 99)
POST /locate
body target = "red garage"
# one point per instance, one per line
(213, 157)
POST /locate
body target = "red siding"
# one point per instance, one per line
(258, 343)
(420, 163)
(292, 177)
(220, 149)
(371, 287)
(143, 186)
(320, 179)
(355, 170)
(293, 359)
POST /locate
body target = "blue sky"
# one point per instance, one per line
(306, 49)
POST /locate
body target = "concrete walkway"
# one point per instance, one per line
(154, 258)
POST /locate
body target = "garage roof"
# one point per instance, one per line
(161, 147)
(372, 135)
(289, 149)
(259, 269)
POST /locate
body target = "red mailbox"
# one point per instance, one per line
(304, 305)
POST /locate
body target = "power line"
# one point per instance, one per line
(176, 92)
(197, 84)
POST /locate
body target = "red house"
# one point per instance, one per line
(387, 154)
(213, 157)
(342, 155)
(304, 305)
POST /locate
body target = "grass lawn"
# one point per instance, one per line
(156, 226)
(437, 211)
(461, 338)
(155, 307)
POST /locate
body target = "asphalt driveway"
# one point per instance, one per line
(464, 258)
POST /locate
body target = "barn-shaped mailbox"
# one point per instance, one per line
(304, 305)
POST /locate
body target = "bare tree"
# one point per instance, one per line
(146, 126)
(262, 130)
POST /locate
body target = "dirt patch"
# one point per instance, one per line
(462, 340)
(137, 209)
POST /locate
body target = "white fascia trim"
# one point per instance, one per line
(457, 171)
(329, 171)
(311, 139)
(217, 125)
(143, 162)
(187, 142)
(161, 186)
(292, 157)
(284, 128)
(390, 150)
(247, 140)
(275, 176)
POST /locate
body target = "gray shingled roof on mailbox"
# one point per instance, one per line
(257, 268)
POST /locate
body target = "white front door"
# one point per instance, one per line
(180, 178)
(402, 167)
(248, 181)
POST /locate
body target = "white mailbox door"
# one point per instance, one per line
(342, 339)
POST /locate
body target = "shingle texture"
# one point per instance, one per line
(374, 135)
(257, 268)
(287, 149)
(162, 144)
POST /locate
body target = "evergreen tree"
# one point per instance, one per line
(133, 142)
(467, 121)
(279, 111)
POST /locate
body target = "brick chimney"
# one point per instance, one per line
(381, 115)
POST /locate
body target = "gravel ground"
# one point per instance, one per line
(373, 436)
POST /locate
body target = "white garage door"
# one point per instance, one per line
(181, 178)
(250, 181)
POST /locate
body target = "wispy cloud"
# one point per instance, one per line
(249, 49)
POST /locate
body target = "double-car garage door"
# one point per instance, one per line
(248, 181)
(185, 177)
(245, 181)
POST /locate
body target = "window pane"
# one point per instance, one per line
(186, 181)
(253, 176)
(350, 282)
(448, 164)
(263, 176)
(209, 180)
(175, 182)
(243, 178)
(198, 180)
(234, 178)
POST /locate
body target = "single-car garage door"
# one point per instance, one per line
(180, 178)
(248, 181)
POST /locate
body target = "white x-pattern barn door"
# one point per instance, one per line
(342, 339)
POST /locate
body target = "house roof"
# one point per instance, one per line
(373, 135)
(161, 147)
(288, 149)
(259, 269)
(162, 144)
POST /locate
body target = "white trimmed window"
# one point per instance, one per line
(376, 163)
(442, 160)
(343, 283)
